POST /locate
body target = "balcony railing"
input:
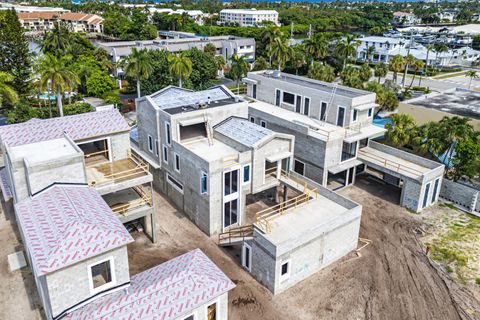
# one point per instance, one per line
(120, 170)
(145, 199)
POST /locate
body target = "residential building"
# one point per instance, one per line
(83, 22)
(31, 9)
(91, 148)
(226, 46)
(385, 48)
(333, 129)
(77, 250)
(37, 21)
(196, 159)
(447, 15)
(405, 19)
(247, 17)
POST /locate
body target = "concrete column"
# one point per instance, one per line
(279, 168)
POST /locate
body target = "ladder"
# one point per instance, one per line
(208, 129)
(330, 101)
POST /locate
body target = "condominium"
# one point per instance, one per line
(247, 17)
(75, 21)
(334, 136)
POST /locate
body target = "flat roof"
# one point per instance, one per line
(243, 131)
(319, 215)
(43, 150)
(311, 83)
(168, 291)
(175, 100)
(65, 224)
(77, 127)
(216, 151)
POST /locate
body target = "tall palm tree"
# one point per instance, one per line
(401, 131)
(55, 75)
(7, 92)
(238, 69)
(180, 66)
(297, 59)
(316, 47)
(380, 71)
(221, 64)
(281, 51)
(409, 60)
(347, 48)
(138, 65)
(473, 75)
(268, 36)
(429, 48)
(417, 65)
(397, 63)
(57, 40)
(440, 48)
(369, 53)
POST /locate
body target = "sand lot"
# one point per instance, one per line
(393, 278)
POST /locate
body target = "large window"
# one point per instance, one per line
(341, 116)
(306, 106)
(299, 167)
(298, 104)
(278, 94)
(323, 110)
(288, 98)
(101, 275)
(172, 181)
(230, 212)
(435, 190)
(354, 115)
(254, 91)
(349, 150)
(230, 182)
(425, 195)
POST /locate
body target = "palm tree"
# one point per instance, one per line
(409, 60)
(281, 51)
(473, 75)
(221, 64)
(7, 92)
(316, 47)
(369, 53)
(55, 75)
(321, 72)
(210, 49)
(297, 59)
(57, 40)
(238, 69)
(347, 48)
(417, 65)
(138, 65)
(268, 35)
(401, 131)
(397, 63)
(440, 48)
(380, 71)
(180, 66)
(260, 64)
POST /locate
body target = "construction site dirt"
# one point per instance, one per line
(391, 278)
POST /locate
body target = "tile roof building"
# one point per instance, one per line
(75, 21)
(180, 287)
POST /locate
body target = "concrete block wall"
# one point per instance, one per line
(411, 195)
(465, 196)
(120, 144)
(70, 285)
(147, 125)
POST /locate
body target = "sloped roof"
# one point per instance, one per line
(37, 15)
(167, 291)
(66, 224)
(79, 16)
(77, 127)
(242, 131)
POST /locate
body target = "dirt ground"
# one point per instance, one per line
(393, 278)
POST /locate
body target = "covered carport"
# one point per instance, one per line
(419, 178)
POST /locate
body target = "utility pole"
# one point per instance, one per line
(406, 64)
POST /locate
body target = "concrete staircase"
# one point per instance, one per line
(235, 236)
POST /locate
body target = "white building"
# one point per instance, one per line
(196, 15)
(20, 8)
(386, 48)
(247, 17)
(405, 19)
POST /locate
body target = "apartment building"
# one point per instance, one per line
(75, 21)
(197, 159)
(405, 19)
(226, 46)
(77, 250)
(83, 22)
(91, 148)
(247, 17)
(333, 129)
(196, 15)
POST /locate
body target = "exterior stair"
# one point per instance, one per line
(235, 236)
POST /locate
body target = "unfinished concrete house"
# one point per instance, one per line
(206, 157)
(333, 129)
(77, 249)
(92, 148)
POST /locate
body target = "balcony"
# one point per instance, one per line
(111, 176)
(130, 204)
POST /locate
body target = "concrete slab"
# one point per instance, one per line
(16, 261)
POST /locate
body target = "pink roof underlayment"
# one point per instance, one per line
(165, 292)
(66, 224)
(77, 127)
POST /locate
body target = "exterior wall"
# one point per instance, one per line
(147, 125)
(120, 144)
(266, 90)
(200, 313)
(411, 195)
(308, 257)
(466, 197)
(70, 286)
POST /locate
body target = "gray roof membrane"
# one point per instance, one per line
(242, 131)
